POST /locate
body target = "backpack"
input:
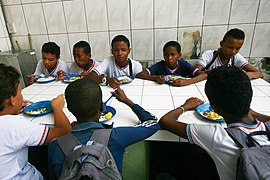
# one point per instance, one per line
(254, 160)
(91, 161)
(215, 54)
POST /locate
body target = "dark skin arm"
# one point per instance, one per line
(169, 121)
(144, 75)
(252, 72)
(199, 76)
(112, 81)
(259, 116)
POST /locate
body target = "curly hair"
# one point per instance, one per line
(235, 33)
(120, 38)
(173, 44)
(83, 97)
(83, 44)
(9, 81)
(52, 48)
(229, 88)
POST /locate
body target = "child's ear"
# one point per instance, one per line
(180, 55)
(10, 101)
(101, 108)
(221, 43)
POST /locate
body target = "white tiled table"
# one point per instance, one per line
(157, 99)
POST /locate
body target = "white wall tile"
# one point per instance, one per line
(4, 45)
(166, 13)
(37, 42)
(96, 15)
(62, 41)
(211, 40)
(191, 12)
(142, 44)
(100, 44)
(50, 0)
(216, 12)
(34, 18)
(261, 43)
(55, 19)
(30, 1)
(119, 15)
(264, 13)
(10, 2)
(162, 36)
(22, 41)
(75, 16)
(244, 11)
(141, 14)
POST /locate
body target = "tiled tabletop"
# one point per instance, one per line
(157, 99)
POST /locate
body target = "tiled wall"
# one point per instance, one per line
(5, 44)
(147, 23)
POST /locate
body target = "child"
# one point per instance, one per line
(228, 54)
(84, 100)
(116, 65)
(229, 92)
(17, 133)
(50, 63)
(172, 65)
(83, 64)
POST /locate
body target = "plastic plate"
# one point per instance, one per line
(207, 108)
(45, 78)
(38, 109)
(170, 78)
(125, 79)
(71, 77)
(109, 109)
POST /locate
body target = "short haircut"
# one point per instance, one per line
(229, 88)
(83, 98)
(83, 44)
(9, 81)
(120, 38)
(52, 48)
(173, 44)
(234, 33)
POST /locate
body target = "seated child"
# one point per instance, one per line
(18, 133)
(84, 101)
(230, 93)
(83, 64)
(116, 65)
(172, 65)
(228, 54)
(50, 63)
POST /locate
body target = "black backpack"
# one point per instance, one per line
(254, 160)
(91, 161)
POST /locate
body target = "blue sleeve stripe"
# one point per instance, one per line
(189, 136)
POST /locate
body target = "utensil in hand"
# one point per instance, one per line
(105, 105)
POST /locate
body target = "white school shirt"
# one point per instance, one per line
(207, 56)
(75, 69)
(16, 135)
(41, 69)
(109, 67)
(215, 140)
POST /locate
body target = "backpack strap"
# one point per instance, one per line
(215, 54)
(238, 136)
(102, 136)
(130, 67)
(67, 143)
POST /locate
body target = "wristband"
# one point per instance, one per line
(183, 109)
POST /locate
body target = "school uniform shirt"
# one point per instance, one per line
(207, 56)
(60, 65)
(220, 146)
(109, 67)
(75, 69)
(183, 68)
(120, 138)
(16, 135)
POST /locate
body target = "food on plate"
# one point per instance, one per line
(172, 78)
(74, 78)
(212, 115)
(37, 111)
(126, 79)
(107, 116)
(41, 75)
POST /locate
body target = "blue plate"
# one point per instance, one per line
(207, 108)
(125, 79)
(71, 77)
(109, 109)
(45, 78)
(34, 109)
(170, 78)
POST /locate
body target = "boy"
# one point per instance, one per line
(116, 65)
(228, 54)
(172, 65)
(83, 64)
(229, 92)
(17, 133)
(84, 100)
(50, 63)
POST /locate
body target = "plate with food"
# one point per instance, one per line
(107, 114)
(170, 78)
(71, 77)
(45, 78)
(207, 111)
(38, 109)
(125, 79)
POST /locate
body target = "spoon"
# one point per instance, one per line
(105, 105)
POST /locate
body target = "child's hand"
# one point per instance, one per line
(84, 74)
(121, 96)
(25, 103)
(160, 79)
(192, 103)
(61, 74)
(59, 101)
(30, 78)
(113, 82)
(181, 82)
